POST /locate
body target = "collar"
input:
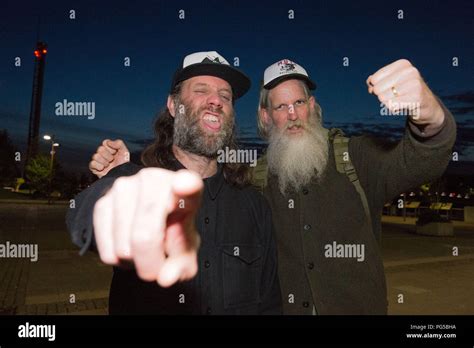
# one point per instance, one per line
(213, 184)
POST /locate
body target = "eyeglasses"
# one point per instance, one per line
(290, 108)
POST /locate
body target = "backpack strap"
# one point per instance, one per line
(344, 166)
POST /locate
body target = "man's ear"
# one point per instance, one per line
(264, 116)
(312, 102)
(170, 105)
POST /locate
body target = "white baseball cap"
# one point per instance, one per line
(285, 69)
(213, 64)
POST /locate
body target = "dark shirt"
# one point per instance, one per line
(331, 210)
(237, 258)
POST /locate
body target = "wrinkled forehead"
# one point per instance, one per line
(287, 90)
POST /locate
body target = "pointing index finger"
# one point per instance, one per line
(187, 187)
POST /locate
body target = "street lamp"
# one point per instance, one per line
(53, 145)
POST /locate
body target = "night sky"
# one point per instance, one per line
(85, 61)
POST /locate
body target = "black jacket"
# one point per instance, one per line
(237, 259)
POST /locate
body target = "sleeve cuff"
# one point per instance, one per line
(436, 135)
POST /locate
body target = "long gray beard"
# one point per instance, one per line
(298, 160)
(189, 136)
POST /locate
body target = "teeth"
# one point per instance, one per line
(211, 118)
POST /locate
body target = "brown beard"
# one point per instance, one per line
(296, 161)
(189, 136)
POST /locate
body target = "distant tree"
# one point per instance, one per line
(9, 170)
(38, 173)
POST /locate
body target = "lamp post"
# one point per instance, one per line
(50, 138)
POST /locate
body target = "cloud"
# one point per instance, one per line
(462, 110)
(392, 132)
(463, 97)
(141, 142)
(387, 131)
(68, 130)
(461, 103)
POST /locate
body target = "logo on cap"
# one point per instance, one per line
(284, 69)
(286, 66)
(204, 57)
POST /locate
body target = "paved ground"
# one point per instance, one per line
(422, 269)
(60, 281)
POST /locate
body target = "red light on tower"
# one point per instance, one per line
(41, 50)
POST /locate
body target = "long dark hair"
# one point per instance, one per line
(160, 152)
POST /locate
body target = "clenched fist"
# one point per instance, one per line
(400, 87)
(148, 219)
(109, 155)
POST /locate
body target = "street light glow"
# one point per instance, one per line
(56, 144)
(47, 137)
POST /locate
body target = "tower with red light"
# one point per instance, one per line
(35, 111)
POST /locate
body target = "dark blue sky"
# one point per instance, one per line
(85, 60)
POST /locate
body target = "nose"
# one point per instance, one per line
(214, 99)
(292, 115)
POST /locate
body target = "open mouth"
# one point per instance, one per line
(294, 129)
(211, 121)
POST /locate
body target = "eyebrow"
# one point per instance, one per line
(202, 84)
